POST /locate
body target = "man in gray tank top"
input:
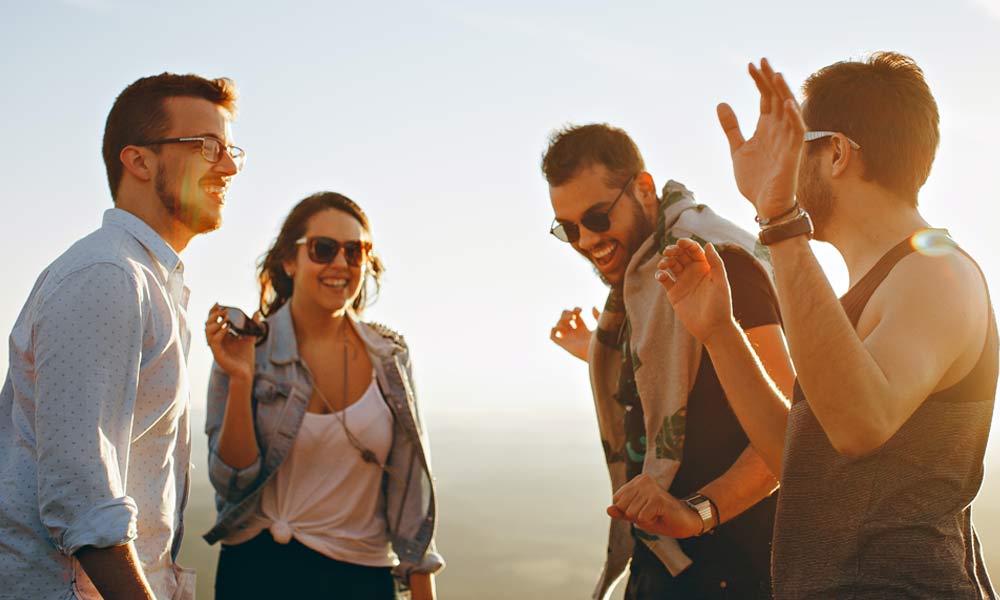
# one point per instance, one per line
(880, 450)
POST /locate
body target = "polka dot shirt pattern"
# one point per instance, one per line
(94, 415)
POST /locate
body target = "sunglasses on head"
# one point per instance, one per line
(323, 250)
(596, 221)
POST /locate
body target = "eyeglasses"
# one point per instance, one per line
(817, 135)
(211, 149)
(598, 222)
(324, 250)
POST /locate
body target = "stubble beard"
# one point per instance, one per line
(816, 197)
(642, 230)
(188, 216)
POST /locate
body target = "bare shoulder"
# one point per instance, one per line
(938, 299)
(946, 281)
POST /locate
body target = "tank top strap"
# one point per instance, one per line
(856, 298)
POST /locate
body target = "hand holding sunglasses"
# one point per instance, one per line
(239, 324)
(324, 250)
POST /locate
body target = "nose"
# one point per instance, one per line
(588, 239)
(340, 260)
(226, 165)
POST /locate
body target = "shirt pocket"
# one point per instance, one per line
(269, 399)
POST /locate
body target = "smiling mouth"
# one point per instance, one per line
(336, 283)
(604, 253)
(219, 191)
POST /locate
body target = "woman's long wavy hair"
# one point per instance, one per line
(276, 287)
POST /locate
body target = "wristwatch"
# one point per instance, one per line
(801, 224)
(703, 506)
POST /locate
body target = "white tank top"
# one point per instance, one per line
(328, 498)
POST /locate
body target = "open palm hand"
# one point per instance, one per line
(696, 285)
(766, 166)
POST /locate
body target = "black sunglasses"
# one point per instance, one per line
(323, 250)
(240, 324)
(598, 222)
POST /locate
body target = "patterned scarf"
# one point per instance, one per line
(665, 360)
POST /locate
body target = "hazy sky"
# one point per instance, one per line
(433, 116)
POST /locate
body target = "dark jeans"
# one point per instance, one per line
(262, 568)
(703, 580)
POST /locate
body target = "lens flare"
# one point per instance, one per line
(933, 242)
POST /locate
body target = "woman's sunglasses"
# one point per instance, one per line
(324, 250)
(598, 222)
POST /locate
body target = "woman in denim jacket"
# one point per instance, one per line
(317, 452)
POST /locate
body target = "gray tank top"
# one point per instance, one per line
(896, 523)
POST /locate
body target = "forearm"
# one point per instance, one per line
(237, 444)
(745, 484)
(115, 572)
(422, 586)
(760, 407)
(843, 383)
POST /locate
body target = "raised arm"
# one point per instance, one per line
(234, 456)
(927, 319)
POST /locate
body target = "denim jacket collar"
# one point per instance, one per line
(285, 349)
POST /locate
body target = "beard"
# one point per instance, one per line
(167, 199)
(642, 230)
(188, 214)
(816, 197)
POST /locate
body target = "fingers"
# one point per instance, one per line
(714, 260)
(569, 322)
(676, 259)
(596, 313)
(637, 501)
(731, 126)
(764, 87)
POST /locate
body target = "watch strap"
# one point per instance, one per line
(702, 505)
(800, 225)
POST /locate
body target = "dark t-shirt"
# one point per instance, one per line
(739, 550)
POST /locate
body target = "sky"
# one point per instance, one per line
(434, 116)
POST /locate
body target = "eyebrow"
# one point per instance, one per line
(598, 206)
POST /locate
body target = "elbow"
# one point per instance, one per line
(859, 442)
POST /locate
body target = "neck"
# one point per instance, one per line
(866, 227)
(152, 212)
(313, 322)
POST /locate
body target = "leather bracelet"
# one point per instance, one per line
(800, 225)
(765, 221)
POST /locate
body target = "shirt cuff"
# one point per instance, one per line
(431, 563)
(111, 523)
(230, 482)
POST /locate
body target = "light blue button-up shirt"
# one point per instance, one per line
(94, 416)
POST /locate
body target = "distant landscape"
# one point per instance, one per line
(521, 510)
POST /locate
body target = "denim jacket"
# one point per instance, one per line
(282, 387)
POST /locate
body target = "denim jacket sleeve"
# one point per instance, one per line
(229, 482)
(432, 561)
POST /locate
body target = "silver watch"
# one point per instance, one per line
(703, 506)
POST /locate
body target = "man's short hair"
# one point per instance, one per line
(577, 147)
(139, 115)
(885, 105)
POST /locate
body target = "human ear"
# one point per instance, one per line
(645, 191)
(136, 161)
(843, 155)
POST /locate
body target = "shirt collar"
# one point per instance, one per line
(141, 231)
(285, 348)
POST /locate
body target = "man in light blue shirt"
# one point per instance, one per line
(94, 413)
